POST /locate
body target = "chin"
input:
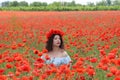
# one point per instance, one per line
(58, 45)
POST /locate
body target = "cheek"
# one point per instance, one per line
(59, 40)
(54, 41)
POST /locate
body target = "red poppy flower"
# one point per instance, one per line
(44, 51)
(14, 47)
(2, 71)
(113, 70)
(47, 57)
(117, 78)
(25, 68)
(40, 54)
(36, 51)
(118, 62)
(8, 65)
(109, 75)
(93, 60)
(91, 72)
(17, 73)
(40, 60)
(3, 77)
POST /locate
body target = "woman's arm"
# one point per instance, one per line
(68, 60)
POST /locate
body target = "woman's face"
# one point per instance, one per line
(56, 41)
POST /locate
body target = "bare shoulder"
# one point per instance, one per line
(64, 53)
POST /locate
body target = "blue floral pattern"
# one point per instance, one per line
(57, 61)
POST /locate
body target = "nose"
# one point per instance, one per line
(58, 40)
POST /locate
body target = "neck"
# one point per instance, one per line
(55, 49)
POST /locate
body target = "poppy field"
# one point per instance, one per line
(91, 38)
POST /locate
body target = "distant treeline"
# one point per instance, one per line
(60, 6)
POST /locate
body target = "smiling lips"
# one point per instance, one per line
(58, 42)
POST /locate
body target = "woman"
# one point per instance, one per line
(55, 48)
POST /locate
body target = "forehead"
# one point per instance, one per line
(56, 36)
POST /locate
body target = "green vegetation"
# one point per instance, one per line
(62, 8)
(59, 6)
